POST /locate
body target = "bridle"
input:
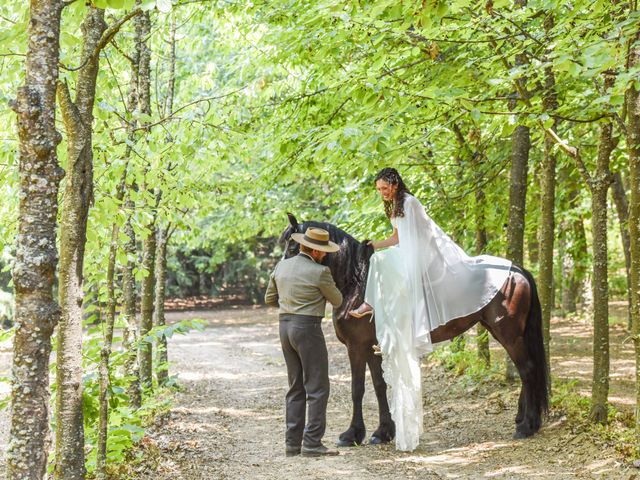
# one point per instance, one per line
(286, 245)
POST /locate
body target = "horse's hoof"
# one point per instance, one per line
(377, 441)
(520, 435)
(347, 443)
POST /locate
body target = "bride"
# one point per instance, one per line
(414, 288)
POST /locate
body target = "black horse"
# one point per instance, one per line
(513, 317)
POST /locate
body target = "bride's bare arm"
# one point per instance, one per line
(389, 242)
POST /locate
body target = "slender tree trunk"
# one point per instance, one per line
(146, 314)
(520, 144)
(622, 207)
(580, 262)
(481, 243)
(130, 334)
(105, 352)
(547, 210)
(172, 67)
(574, 259)
(600, 386)
(78, 120)
(162, 360)
(145, 353)
(36, 311)
(599, 188)
(547, 230)
(633, 145)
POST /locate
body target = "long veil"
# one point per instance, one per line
(444, 282)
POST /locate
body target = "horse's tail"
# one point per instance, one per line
(533, 338)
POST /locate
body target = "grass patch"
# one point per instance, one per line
(619, 432)
(462, 360)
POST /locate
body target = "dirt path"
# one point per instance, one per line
(227, 423)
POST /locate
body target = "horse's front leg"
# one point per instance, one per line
(386, 430)
(356, 432)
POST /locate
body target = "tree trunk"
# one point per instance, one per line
(520, 144)
(547, 224)
(575, 252)
(146, 313)
(600, 386)
(622, 207)
(599, 188)
(145, 353)
(547, 210)
(162, 360)
(36, 311)
(482, 337)
(633, 145)
(130, 334)
(78, 120)
(105, 352)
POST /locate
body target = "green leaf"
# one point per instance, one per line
(164, 6)
(147, 5)
(116, 3)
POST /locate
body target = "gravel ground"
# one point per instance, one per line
(227, 423)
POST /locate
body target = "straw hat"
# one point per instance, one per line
(316, 238)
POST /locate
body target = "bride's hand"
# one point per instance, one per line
(368, 242)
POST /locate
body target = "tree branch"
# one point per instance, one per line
(110, 32)
(335, 112)
(446, 40)
(70, 113)
(175, 112)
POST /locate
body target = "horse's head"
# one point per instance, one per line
(349, 266)
(291, 247)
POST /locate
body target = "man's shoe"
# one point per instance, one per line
(292, 451)
(318, 451)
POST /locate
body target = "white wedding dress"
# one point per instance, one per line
(413, 288)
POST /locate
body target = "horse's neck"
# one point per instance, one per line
(347, 269)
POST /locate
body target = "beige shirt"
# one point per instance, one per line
(301, 286)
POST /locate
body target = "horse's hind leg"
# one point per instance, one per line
(528, 418)
(356, 432)
(520, 414)
(386, 430)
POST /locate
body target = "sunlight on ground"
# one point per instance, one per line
(452, 456)
(216, 375)
(192, 344)
(340, 378)
(231, 412)
(601, 467)
(518, 470)
(622, 400)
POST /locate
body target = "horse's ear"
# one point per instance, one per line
(292, 220)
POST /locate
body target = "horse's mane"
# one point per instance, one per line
(349, 266)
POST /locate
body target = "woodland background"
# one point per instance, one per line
(152, 148)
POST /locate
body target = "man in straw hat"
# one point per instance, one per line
(301, 286)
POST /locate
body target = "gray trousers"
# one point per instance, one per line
(305, 353)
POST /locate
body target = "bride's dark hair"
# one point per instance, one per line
(395, 207)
